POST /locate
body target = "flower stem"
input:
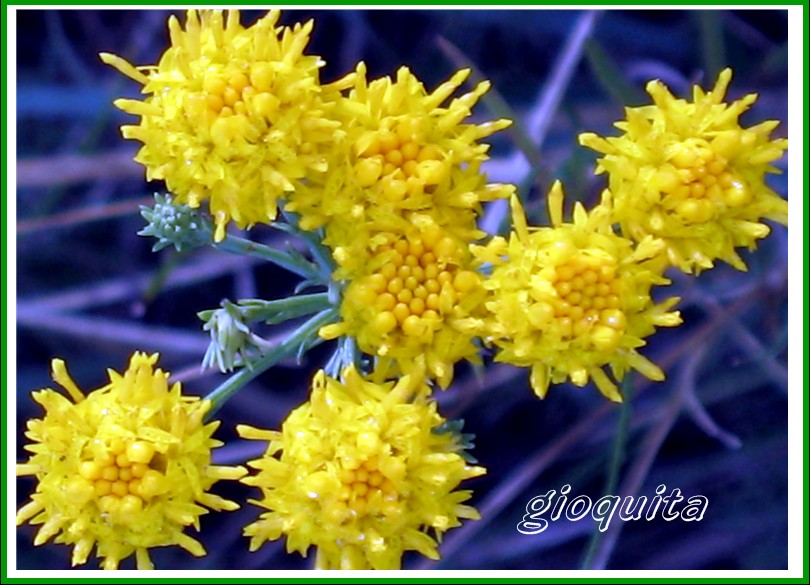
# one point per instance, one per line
(320, 253)
(302, 339)
(616, 461)
(272, 312)
(299, 266)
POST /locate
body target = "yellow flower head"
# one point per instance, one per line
(124, 468)
(415, 303)
(361, 472)
(569, 299)
(689, 174)
(404, 151)
(233, 115)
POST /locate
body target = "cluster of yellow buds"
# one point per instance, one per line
(383, 180)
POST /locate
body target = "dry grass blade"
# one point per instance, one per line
(72, 168)
(76, 217)
(144, 337)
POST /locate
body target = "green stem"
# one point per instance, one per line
(237, 245)
(610, 75)
(713, 42)
(616, 461)
(302, 339)
(321, 254)
(272, 312)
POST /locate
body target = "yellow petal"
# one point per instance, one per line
(124, 67)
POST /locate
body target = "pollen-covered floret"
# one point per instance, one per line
(570, 299)
(687, 174)
(363, 472)
(405, 151)
(416, 304)
(233, 115)
(124, 468)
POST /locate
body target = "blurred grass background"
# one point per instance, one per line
(91, 291)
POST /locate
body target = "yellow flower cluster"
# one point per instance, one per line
(568, 299)
(123, 469)
(405, 153)
(237, 116)
(361, 473)
(234, 116)
(689, 175)
(416, 304)
(392, 174)
(399, 214)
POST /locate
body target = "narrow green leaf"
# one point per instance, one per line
(610, 75)
(297, 265)
(712, 43)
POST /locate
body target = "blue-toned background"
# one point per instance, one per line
(91, 291)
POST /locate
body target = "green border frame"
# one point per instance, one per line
(84, 576)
